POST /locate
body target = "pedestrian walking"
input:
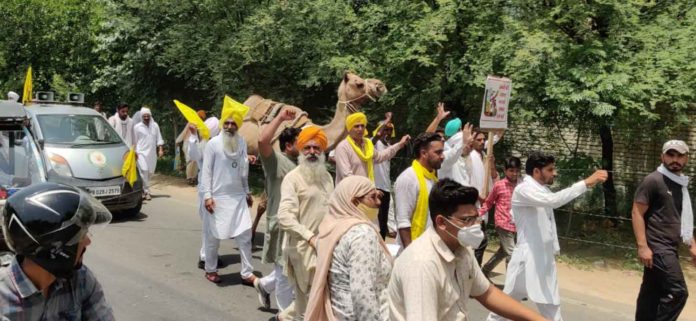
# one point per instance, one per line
(276, 164)
(382, 139)
(225, 187)
(149, 147)
(435, 276)
(196, 147)
(123, 124)
(304, 200)
(353, 262)
(413, 186)
(477, 178)
(532, 269)
(356, 155)
(663, 218)
(500, 198)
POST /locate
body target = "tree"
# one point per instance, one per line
(55, 37)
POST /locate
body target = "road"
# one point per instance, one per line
(147, 267)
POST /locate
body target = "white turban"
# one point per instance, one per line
(12, 96)
(145, 110)
(213, 125)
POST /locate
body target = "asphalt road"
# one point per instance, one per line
(147, 267)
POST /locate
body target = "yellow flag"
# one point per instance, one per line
(26, 95)
(193, 118)
(235, 110)
(130, 170)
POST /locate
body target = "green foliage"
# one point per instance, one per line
(604, 62)
(54, 37)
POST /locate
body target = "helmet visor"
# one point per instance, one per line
(91, 215)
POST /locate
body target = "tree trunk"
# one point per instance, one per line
(608, 164)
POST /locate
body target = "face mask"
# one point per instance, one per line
(469, 236)
(370, 212)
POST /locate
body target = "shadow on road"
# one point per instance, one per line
(117, 219)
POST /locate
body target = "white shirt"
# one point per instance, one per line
(123, 128)
(454, 165)
(406, 191)
(537, 239)
(382, 179)
(430, 282)
(147, 138)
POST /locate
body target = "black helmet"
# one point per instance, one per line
(45, 222)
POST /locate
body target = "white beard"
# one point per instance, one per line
(230, 143)
(313, 172)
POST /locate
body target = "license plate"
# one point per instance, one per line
(105, 191)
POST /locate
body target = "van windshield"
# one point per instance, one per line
(20, 162)
(77, 130)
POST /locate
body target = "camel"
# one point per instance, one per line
(353, 93)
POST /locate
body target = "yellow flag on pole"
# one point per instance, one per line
(26, 95)
(193, 118)
(233, 109)
(130, 170)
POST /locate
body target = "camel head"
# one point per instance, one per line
(357, 91)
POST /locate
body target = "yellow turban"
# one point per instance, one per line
(312, 133)
(355, 119)
(233, 109)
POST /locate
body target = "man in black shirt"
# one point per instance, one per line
(662, 217)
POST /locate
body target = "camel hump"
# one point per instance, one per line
(262, 112)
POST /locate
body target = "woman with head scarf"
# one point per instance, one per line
(353, 263)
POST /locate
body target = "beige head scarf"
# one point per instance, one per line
(342, 216)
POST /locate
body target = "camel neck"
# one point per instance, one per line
(335, 130)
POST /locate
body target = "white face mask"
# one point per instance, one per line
(469, 236)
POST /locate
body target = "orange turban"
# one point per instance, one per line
(312, 133)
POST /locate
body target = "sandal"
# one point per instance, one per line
(212, 277)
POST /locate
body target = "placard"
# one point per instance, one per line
(495, 103)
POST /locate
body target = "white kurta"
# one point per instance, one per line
(147, 138)
(454, 166)
(533, 260)
(224, 178)
(123, 128)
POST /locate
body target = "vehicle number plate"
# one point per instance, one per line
(105, 191)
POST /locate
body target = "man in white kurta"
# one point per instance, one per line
(225, 188)
(148, 147)
(532, 269)
(457, 148)
(123, 124)
(195, 148)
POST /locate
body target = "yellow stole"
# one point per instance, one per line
(420, 214)
(365, 156)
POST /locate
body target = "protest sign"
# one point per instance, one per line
(496, 98)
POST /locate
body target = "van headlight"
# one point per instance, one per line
(60, 165)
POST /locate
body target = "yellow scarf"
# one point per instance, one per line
(420, 214)
(366, 156)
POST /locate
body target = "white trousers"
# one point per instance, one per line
(205, 230)
(145, 175)
(518, 290)
(277, 283)
(243, 241)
